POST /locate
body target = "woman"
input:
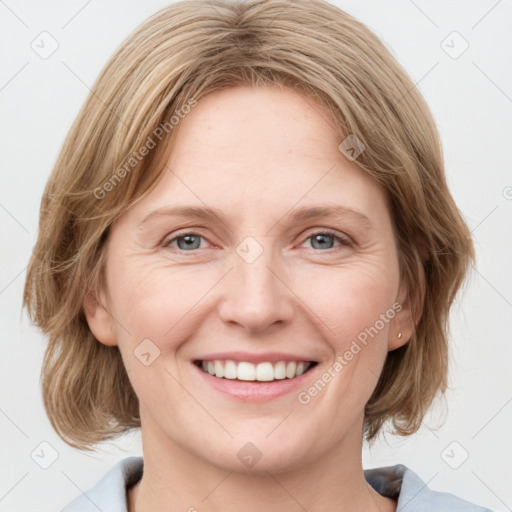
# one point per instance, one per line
(248, 249)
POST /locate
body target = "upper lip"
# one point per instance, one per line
(253, 358)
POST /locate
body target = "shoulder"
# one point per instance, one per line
(109, 493)
(413, 494)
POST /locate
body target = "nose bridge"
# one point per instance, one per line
(257, 297)
(253, 264)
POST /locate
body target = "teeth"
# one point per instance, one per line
(280, 370)
(246, 371)
(290, 370)
(230, 370)
(263, 372)
(219, 369)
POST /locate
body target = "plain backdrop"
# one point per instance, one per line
(457, 53)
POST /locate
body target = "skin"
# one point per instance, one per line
(255, 154)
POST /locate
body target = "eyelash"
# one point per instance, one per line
(344, 241)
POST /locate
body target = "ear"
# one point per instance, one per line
(408, 314)
(99, 319)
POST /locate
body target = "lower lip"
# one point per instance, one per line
(255, 391)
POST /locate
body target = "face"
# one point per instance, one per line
(200, 305)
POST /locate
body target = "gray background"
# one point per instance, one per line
(470, 97)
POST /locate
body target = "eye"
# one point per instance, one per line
(185, 241)
(321, 240)
(324, 240)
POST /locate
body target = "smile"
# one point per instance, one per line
(265, 371)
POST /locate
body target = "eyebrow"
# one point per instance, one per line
(213, 215)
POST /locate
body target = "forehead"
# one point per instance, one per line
(260, 150)
(265, 121)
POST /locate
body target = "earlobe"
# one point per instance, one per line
(406, 319)
(400, 331)
(99, 320)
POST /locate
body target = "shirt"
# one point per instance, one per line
(397, 482)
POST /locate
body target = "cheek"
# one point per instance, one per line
(355, 307)
(158, 308)
(162, 303)
(157, 302)
(350, 299)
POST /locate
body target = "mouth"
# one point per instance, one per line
(265, 371)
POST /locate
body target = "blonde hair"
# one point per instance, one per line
(180, 54)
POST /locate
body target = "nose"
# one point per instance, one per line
(256, 294)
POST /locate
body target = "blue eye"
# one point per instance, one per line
(322, 240)
(190, 241)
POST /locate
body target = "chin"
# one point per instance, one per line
(263, 456)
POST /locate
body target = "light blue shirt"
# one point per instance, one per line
(397, 482)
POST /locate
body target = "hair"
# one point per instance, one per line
(178, 55)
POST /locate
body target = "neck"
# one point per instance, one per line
(333, 482)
